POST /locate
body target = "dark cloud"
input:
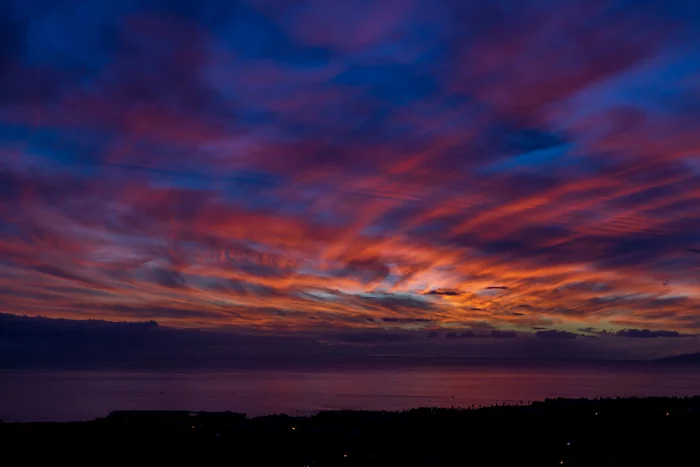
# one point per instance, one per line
(12, 37)
(406, 320)
(14, 326)
(396, 303)
(449, 292)
(646, 333)
(373, 337)
(504, 138)
(263, 270)
(503, 334)
(167, 277)
(162, 312)
(66, 343)
(60, 343)
(242, 288)
(10, 185)
(62, 274)
(460, 335)
(554, 334)
(366, 270)
(496, 287)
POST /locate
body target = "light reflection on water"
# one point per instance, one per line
(31, 395)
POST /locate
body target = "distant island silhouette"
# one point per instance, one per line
(684, 358)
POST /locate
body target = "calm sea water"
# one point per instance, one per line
(31, 395)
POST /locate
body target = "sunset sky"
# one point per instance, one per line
(404, 177)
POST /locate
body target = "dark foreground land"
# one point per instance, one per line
(619, 432)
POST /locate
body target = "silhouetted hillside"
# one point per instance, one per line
(556, 432)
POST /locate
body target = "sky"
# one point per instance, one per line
(395, 178)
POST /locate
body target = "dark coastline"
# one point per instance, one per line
(580, 432)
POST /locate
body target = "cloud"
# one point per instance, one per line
(168, 277)
(503, 334)
(306, 168)
(396, 303)
(460, 335)
(406, 320)
(554, 334)
(373, 337)
(37, 342)
(447, 292)
(59, 273)
(367, 270)
(30, 342)
(647, 333)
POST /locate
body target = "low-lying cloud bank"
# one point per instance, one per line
(38, 342)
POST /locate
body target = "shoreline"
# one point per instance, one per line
(642, 405)
(577, 432)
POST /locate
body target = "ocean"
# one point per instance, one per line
(38, 395)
